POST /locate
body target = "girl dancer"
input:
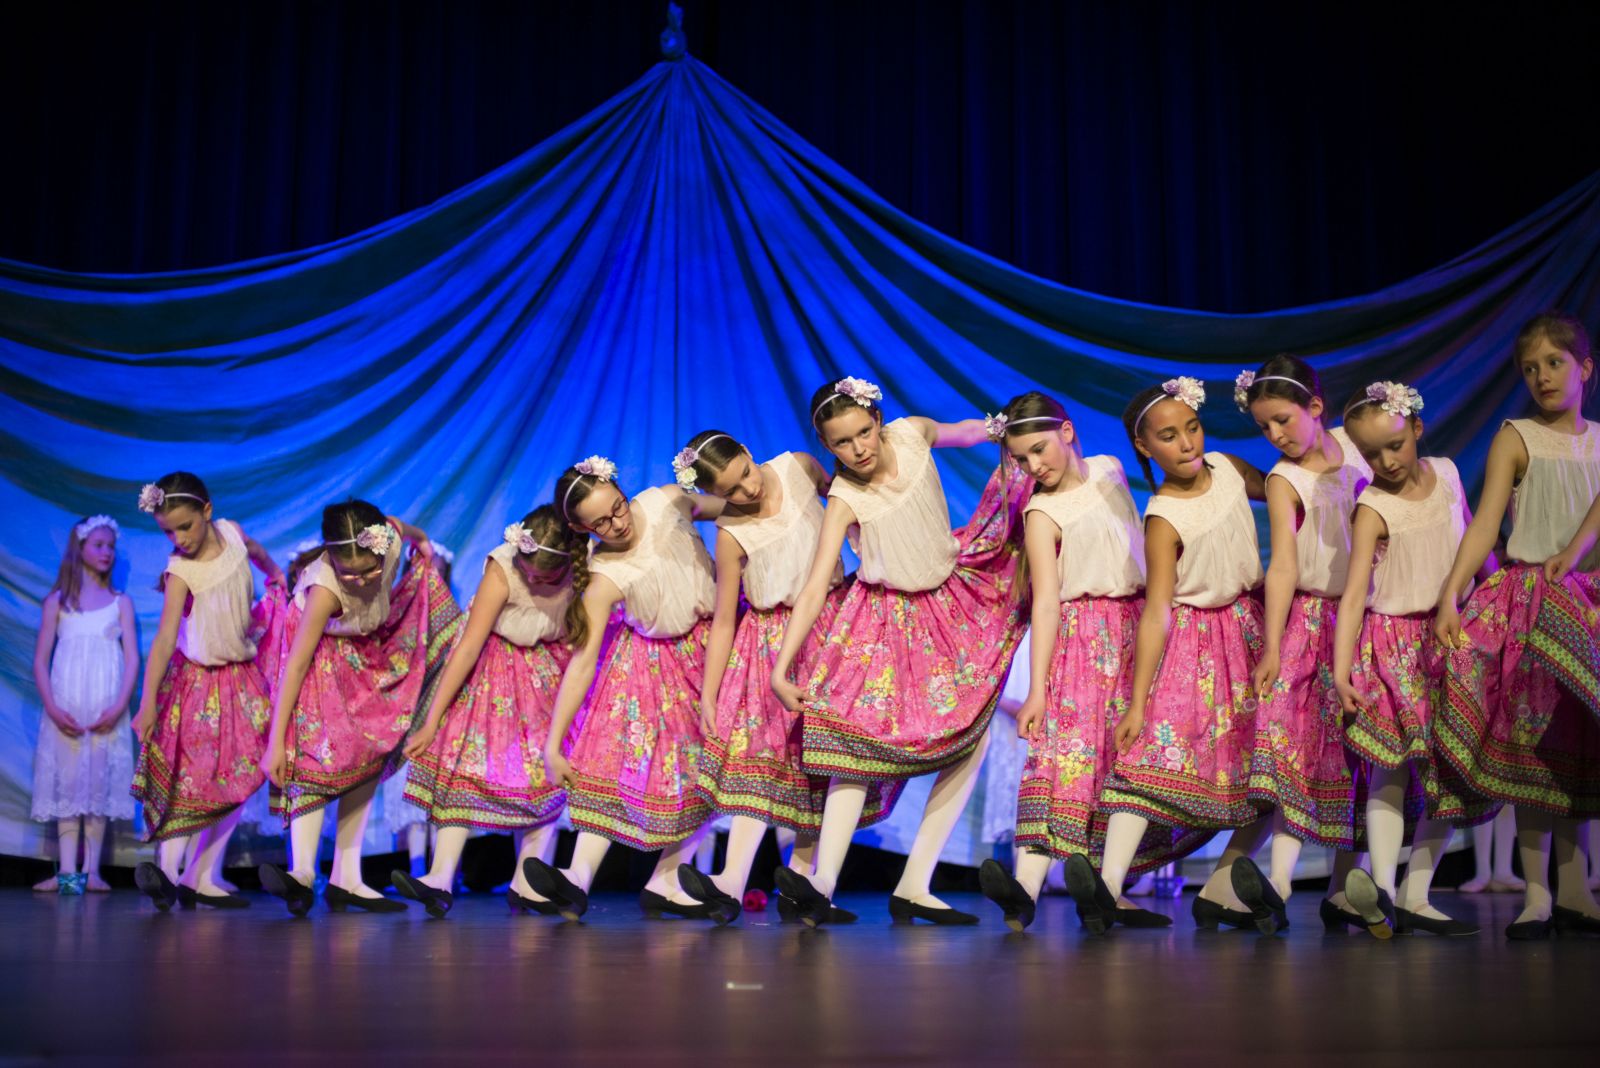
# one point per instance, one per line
(203, 717)
(918, 651)
(1085, 557)
(633, 767)
(358, 666)
(1416, 509)
(1188, 766)
(1300, 768)
(486, 768)
(85, 663)
(750, 767)
(1511, 727)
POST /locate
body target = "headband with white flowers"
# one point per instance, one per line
(520, 538)
(596, 467)
(153, 496)
(997, 426)
(375, 537)
(683, 463)
(1188, 390)
(1246, 379)
(95, 522)
(859, 390)
(1393, 397)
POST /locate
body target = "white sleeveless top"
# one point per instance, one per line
(1562, 481)
(1414, 561)
(666, 579)
(1102, 541)
(902, 526)
(363, 610)
(528, 618)
(216, 629)
(778, 548)
(1220, 560)
(1327, 501)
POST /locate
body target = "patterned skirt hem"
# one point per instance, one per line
(835, 749)
(1177, 803)
(642, 823)
(165, 814)
(464, 803)
(308, 792)
(1321, 813)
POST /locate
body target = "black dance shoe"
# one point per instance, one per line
(815, 908)
(1370, 903)
(724, 907)
(1410, 923)
(279, 883)
(188, 899)
(547, 882)
(339, 900)
(1097, 906)
(789, 912)
(999, 886)
(1571, 922)
(1144, 918)
(1529, 930)
(1208, 916)
(1335, 918)
(521, 905)
(902, 910)
(654, 906)
(437, 902)
(1256, 891)
(155, 885)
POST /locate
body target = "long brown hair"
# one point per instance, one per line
(69, 579)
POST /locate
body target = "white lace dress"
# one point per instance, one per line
(88, 775)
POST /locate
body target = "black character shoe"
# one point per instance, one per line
(1370, 903)
(1571, 922)
(1529, 930)
(1097, 906)
(519, 904)
(437, 902)
(814, 906)
(1335, 918)
(1257, 892)
(570, 901)
(339, 900)
(155, 885)
(1208, 916)
(724, 907)
(279, 883)
(789, 912)
(1409, 923)
(190, 898)
(1002, 888)
(902, 910)
(655, 906)
(1142, 918)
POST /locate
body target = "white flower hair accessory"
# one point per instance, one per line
(596, 467)
(683, 467)
(1190, 391)
(995, 426)
(305, 545)
(1395, 398)
(517, 537)
(95, 522)
(375, 538)
(1241, 389)
(153, 496)
(441, 552)
(864, 393)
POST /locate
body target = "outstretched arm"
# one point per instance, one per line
(960, 435)
(1255, 483)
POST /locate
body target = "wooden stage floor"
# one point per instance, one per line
(106, 977)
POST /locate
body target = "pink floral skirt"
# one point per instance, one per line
(1090, 682)
(906, 683)
(362, 693)
(1517, 722)
(1300, 765)
(637, 754)
(485, 767)
(1190, 766)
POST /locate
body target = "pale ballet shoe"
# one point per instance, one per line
(1475, 886)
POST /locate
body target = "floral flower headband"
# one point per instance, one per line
(521, 538)
(597, 467)
(1246, 379)
(997, 426)
(95, 522)
(683, 463)
(1392, 397)
(441, 552)
(375, 537)
(1183, 388)
(153, 496)
(859, 390)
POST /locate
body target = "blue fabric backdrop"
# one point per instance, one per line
(676, 259)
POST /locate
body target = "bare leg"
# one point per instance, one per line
(67, 850)
(198, 876)
(354, 808)
(539, 843)
(946, 801)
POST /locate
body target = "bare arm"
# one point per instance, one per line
(1161, 547)
(1508, 458)
(1283, 574)
(835, 521)
(598, 601)
(413, 537)
(42, 648)
(493, 592)
(1558, 566)
(161, 650)
(1365, 531)
(320, 605)
(820, 477)
(1040, 538)
(730, 569)
(960, 435)
(1255, 483)
(263, 561)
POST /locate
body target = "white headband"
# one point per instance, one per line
(95, 522)
(518, 537)
(683, 463)
(593, 467)
(857, 389)
(1184, 389)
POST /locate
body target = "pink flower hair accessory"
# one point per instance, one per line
(995, 426)
(683, 463)
(1241, 389)
(152, 497)
(1184, 389)
(1395, 398)
(864, 393)
(375, 538)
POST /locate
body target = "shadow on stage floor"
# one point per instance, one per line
(107, 976)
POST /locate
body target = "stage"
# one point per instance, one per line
(106, 976)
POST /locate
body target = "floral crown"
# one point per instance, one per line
(95, 522)
(375, 538)
(683, 463)
(153, 496)
(1393, 397)
(864, 393)
(1246, 379)
(1188, 390)
(521, 539)
(596, 467)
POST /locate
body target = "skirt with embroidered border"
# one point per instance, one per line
(906, 683)
(1517, 723)
(636, 757)
(1299, 764)
(1190, 766)
(363, 693)
(203, 758)
(1088, 691)
(485, 766)
(752, 767)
